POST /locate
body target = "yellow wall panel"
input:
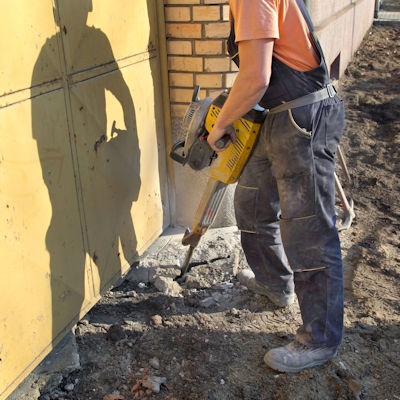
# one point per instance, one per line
(41, 246)
(25, 27)
(114, 28)
(83, 184)
(152, 203)
(115, 124)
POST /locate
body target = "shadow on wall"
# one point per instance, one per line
(104, 176)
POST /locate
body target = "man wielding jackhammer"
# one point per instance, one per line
(284, 201)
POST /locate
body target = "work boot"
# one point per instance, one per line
(281, 299)
(296, 356)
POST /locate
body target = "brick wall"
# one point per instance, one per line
(196, 34)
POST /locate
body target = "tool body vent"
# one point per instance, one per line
(237, 149)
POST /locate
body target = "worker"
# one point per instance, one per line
(284, 200)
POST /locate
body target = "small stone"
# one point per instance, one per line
(167, 286)
(207, 302)
(217, 297)
(341, 370)
(141, 285)
(383, 345)
(155, 362)
(355, 387)
(69, 388)
(156, 320)
(84, 321)
(226, 286)
(234, 312)
(154, 383)
(113, 396)
(195, 282)
(283, 335)
(115, 333)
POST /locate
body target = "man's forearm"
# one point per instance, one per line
(248, 89)
(251, 82)
(243, 96)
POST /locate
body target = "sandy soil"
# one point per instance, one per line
(208, 340)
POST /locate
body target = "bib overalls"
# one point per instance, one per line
(285, 197)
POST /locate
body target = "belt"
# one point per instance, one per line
(328, 91)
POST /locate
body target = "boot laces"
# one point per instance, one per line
(298, 346)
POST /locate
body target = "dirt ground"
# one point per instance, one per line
(207, 338)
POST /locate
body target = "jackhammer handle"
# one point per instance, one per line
(221, 143)
(175, 156)
(195, 96)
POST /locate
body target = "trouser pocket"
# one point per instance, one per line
(328, 128)
(334, 124)
(310, 243)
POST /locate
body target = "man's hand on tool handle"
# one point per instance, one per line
(216, 138)
(248, 88)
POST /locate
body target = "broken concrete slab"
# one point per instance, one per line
(63, 359)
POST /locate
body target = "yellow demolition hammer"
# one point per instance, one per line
(226, 166)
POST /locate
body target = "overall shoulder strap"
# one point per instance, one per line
(233, 48)
(310, 25)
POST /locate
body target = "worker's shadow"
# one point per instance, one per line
(90, 167)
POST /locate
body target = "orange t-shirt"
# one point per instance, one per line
(281, 20)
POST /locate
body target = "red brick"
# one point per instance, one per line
(188, 64)
(217, 30)
(178, 14)
(180, 47)
(206, 13)
(229, 79)
(182, 2)
(180, 95)
(208, 47)
(220, 64)
(209, 80)
(214, 93)
(181, 79)
(178, 110)
(234, 67)
(187, 31)
(225, 13)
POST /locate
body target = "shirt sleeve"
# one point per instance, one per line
(255, 19)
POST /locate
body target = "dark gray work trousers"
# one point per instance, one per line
(285, 209)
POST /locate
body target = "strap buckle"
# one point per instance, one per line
(331, 90)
